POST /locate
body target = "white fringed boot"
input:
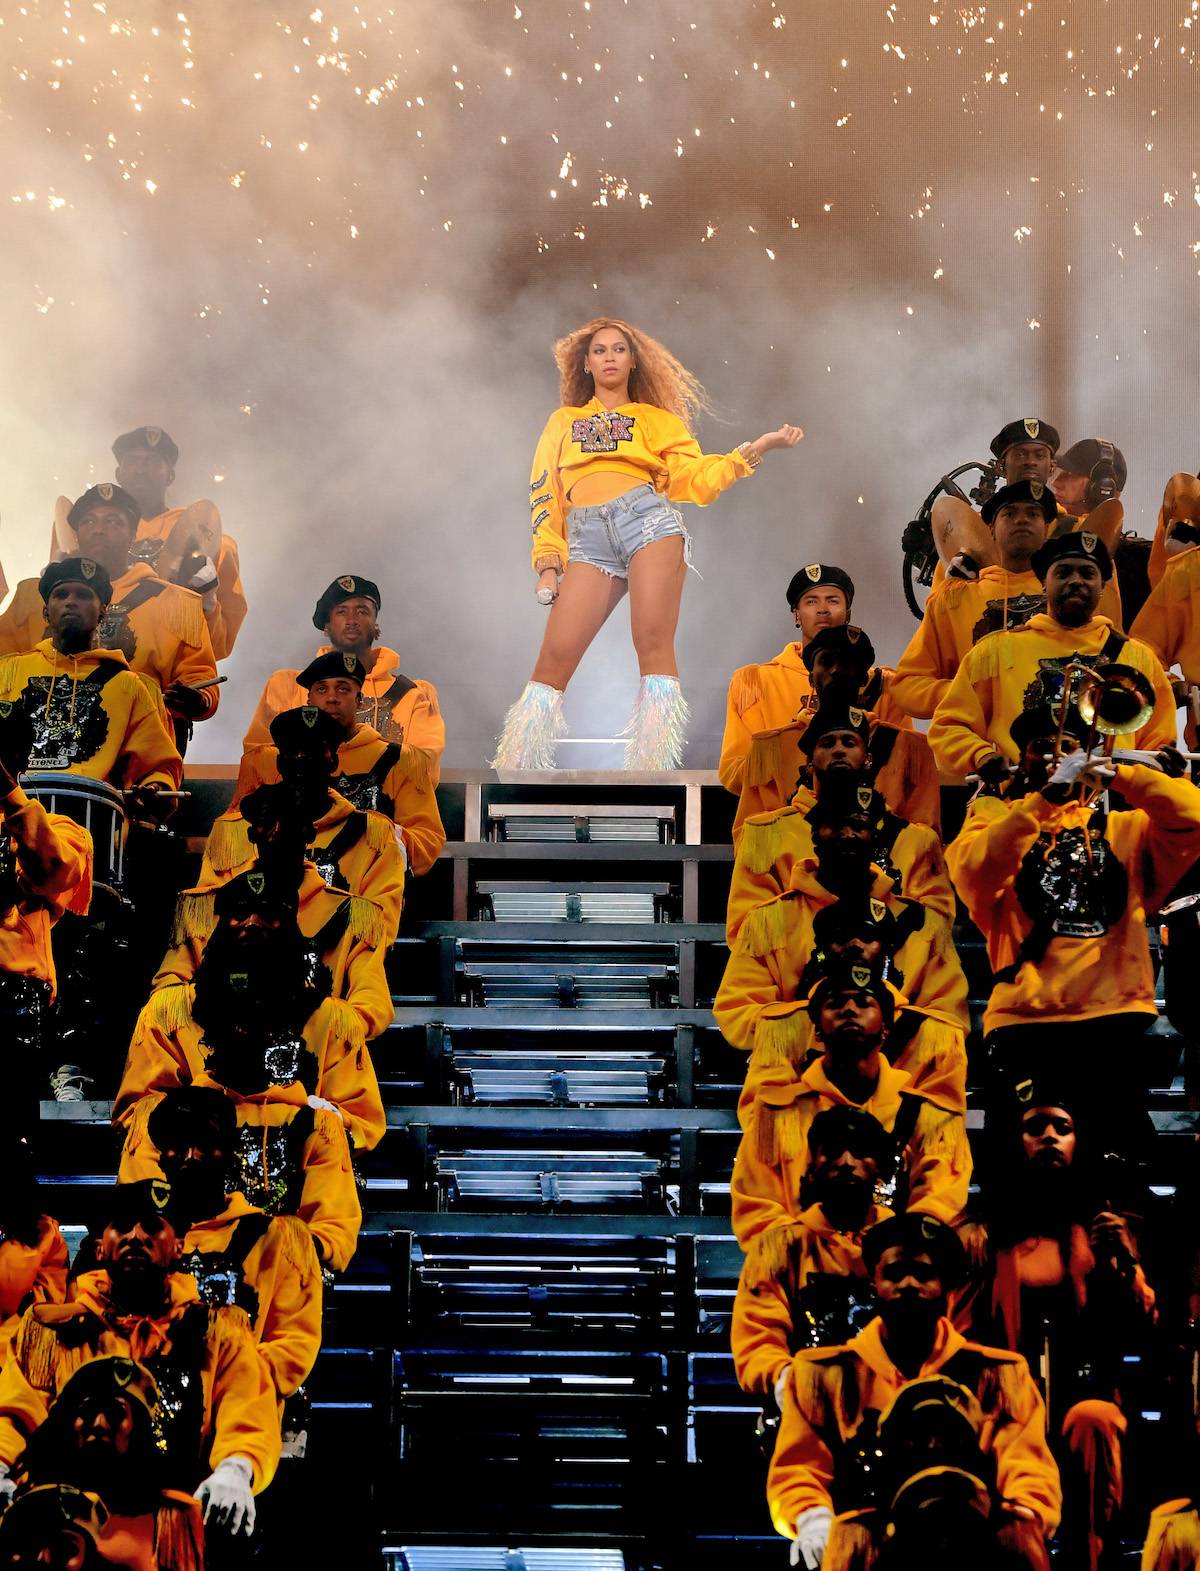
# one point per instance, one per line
(532, 729)
(654, 737)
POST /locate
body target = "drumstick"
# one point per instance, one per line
(213, 681)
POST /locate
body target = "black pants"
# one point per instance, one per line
(24, 1011)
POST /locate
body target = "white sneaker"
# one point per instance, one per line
(68, 1082)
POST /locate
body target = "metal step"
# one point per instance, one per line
(581, 822)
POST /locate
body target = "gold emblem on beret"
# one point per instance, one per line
(87, 567)
(256, 882)
(864, 794)
(856, 717)
(860, 976)
(853, 634)
(6, 709)
(1024, 1090)
(309, 716)
(106, 491)
(813, 571)
(153, 435)
(1032, 427)
(160, 1193)
(122, 1370)
(1088, 542)
(347, 583)
(878, 910)
(1036, 488)
(349, 661)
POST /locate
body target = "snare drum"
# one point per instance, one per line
(95, 804)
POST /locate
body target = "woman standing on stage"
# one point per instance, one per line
(609, 463)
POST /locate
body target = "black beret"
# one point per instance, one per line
(840, 1129)
(834, 716)
(34, 1522)
(151, 436)
(923, 1235)
(846, 794)
(331, 665)
(845, 639)
(142, 1201)
(844, 974)
(1026, 430)
(849, 918)
(106, 494)
(184, 1107)
(1074, 544)
(816, 574)
(297, 730)
(1082, 457)
(77, 570)
(1041, 721)
(1022, 491)
(253, 893)
(111, 1375)
(348, 587)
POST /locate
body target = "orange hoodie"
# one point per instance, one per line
(1078, 978)
(54, 1340)
(30, 1274)
(832, 1387)
(53, 875)
(114, 729)
(1169, 621)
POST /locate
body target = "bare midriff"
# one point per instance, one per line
(599, 486)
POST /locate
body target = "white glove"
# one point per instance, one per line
(781, 1385)
(205, 579)
(547, 596)
(8, 1486)
(1069, 768)
(398, 834)
(812, 1535)
(227, 1498)
(329, 1107)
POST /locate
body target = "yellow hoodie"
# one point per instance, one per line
(759, 1005)
(772, 843)
(831, 1388)
(399, 708)
(164, 637)
(773, 1154)
(647, 444)
(92, 716)
(1169, 621)
(957, 616)
(764, 1307)
(772, 696)
(328, 1203)
(229, 607)
(973, 720)
(282, 1269)
(1078, 978)
(408, 798)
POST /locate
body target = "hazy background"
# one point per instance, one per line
(328, 248)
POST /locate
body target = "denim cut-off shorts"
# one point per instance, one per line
(611, 535)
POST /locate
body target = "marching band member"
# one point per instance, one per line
(1005, 672)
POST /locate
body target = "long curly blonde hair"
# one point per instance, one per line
(657, 378)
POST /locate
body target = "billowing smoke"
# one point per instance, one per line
(328, 247)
